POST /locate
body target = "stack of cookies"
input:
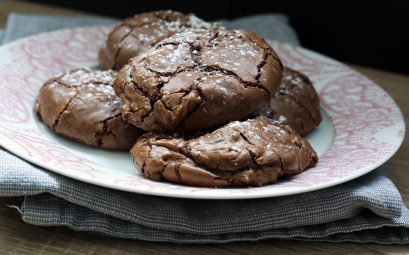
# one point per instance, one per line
(196, 103)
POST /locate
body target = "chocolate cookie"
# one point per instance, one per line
(249, 153)
(198, 79)
(139, 33)
(296, 100)
(81, 105)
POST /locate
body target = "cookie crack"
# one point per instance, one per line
(145, 94)
(195, 58)
(278, 60)
(144, 162)
(213, 68)
(261, 65)
(59, 82)
(267, 51)
(261, 46)
(57, 120)
(185, 150)
(177, 170)
(244, 137)
(100, 134)
(246, 84)
(253, 158)
(195, 53)
(181, 98)
(281, 162)
(209, 70)
(140, 89)
(214, 37)
(120, 45)
(251, 153)
(167, 74)
(193, 87)
(191, 112)
(151, 102)
(131, 30)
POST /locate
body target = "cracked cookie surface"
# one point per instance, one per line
(296, 100)
(81, 105)
(135, 35)
(198, 79)
(254, 152)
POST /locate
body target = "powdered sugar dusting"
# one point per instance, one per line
(83, 76)
(95, 84)
(282, 118)
(145, 38)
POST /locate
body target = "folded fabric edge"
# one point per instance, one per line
(369, 235)
(373, 230)
(66, 195)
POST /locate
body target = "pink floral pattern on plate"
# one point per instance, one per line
(369, 127)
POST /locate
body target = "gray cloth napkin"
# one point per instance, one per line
(1, 35)
(21, 25)
(368, 209)
(273, 26)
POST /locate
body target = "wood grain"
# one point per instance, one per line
(16, 237)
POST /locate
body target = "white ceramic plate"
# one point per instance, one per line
(362, 126)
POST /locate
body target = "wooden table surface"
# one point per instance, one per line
(17, 237)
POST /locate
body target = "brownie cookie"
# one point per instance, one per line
(139, 33)
(296, 100)
(254, 152)
(81, 105)
(198, 79)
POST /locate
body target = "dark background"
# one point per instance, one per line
(370, 33)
